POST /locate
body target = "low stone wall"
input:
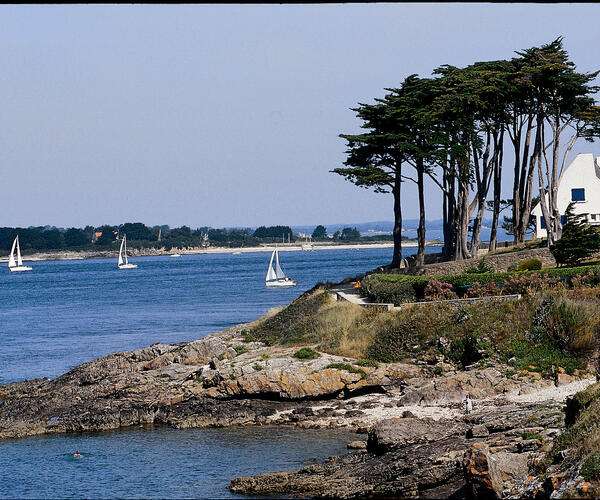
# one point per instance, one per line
(501, 262)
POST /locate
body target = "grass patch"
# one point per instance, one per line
(306, 353)
(258, 367)
(240, 349)
(531, 435)
(348, 368)
(368, 362)
(293, 324)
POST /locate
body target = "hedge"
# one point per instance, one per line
(396, 288)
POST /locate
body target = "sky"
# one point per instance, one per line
(228, 115)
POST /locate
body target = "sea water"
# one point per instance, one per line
(64, 313)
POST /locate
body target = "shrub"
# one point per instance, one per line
(295, 323)
(436, 290)
(388, 292)
(481, 267)
(258, 367)
(487, 290)
(240, 349)
(464, 350)
(589, 279)
(368, 362)
(529, 265)
(348, 368)
(590, 470)
(306, 353)
(578, 240)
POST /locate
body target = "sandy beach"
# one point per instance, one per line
(146, 252)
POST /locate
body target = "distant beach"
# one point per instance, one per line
(146, 252)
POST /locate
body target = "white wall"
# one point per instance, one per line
(584, 173)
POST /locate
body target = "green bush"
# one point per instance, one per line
(482, 267)
(529, 265)
(380, 290)
(396, 288)
(590, 470)
(348, 368)
(240, 349)
(306, 353)
(293, 324)
(368, 362)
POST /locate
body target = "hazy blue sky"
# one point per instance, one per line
(226, 115)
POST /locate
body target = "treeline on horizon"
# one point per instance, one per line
(141, 236)
(466, 128)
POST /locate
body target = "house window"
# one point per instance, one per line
(542, 223)
(593, 216)
(563, 220)
(578, 194)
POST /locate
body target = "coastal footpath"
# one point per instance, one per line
(413, 436)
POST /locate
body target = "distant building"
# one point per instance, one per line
(580, 183)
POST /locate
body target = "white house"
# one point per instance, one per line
(579, 182)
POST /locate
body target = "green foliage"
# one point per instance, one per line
(531, 435)
(368, 362)
(578, 240)
(258, 367)
(465, 350)
(319, 233)
(382, 290)
(76, 237)
(108, 235)
(482, 267)
(590, 470)
(293, 324)
(349, 233)
(248, 337)
(274, 232)
(529, 265)
(395, 288)
(240, 349)
(543, 354)
(306, 353)
(348, 368)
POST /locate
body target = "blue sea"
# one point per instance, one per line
(64, 313)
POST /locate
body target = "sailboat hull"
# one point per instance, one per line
(127, 266)
(280, 283)
(18, 269)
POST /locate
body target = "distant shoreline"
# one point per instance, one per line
(148, 252)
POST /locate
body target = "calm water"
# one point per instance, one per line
(64, 313)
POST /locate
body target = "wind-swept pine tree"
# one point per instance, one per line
(578, 241)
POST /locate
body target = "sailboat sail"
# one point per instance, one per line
(278, 271)
(15, 261)
(125, 248)
(271, 273)
(121, 253)
(19, 259)
(11, 259)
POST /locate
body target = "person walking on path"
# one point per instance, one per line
(468, 402)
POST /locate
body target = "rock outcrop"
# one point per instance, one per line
(419, 443)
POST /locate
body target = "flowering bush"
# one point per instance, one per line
(436, 290)
(589, 279)
(486, 290)
(525, 284)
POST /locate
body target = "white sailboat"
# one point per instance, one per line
(275, 275)
(123, 263)
(16, 265)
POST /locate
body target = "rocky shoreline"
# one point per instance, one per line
(419, 441)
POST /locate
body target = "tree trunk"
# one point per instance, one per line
(421, 230)
(397, 255)
(497, 192)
